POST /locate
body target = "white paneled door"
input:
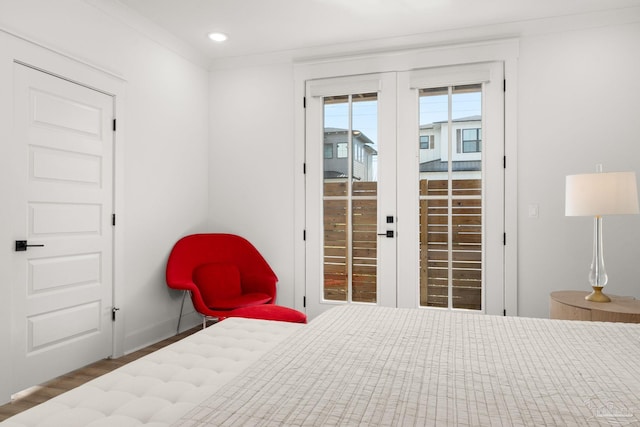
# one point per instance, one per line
(62, 208)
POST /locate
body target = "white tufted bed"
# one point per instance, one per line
(159, 388)
(364, 365)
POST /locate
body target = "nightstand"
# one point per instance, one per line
(571, 305)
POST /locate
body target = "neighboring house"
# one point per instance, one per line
(434, 155)
(336, 155)
(466, 147)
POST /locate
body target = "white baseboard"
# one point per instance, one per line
(158, 332)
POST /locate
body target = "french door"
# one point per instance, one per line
(404, 190)
(350, 186)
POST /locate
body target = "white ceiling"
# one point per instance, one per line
(270, 26)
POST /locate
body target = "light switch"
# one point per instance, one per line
(533, 211)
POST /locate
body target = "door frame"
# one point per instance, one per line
(505, 51)
(16, 48)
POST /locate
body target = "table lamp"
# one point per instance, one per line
(598, 194)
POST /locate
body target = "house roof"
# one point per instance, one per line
(475, 118)
(458, 166)
(334, 174)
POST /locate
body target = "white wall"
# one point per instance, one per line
(252, 166)
(162, 138)
(577, 104)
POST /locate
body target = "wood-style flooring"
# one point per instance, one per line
(38, 394)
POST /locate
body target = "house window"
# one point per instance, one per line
(426, 142)
(469, 140)
(328, 151)
(341, 150)
(358, 152)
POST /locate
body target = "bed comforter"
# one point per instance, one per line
(362, 365)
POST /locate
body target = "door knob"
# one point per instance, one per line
(21, 245)
(388, 233)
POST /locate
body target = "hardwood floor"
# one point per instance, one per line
(41, 393)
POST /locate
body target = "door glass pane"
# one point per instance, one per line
(466, 199)
(451, 197)
(335, 247)
(336, 120)
(350, 198)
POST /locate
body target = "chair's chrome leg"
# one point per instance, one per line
(213, 320)
(184, 295)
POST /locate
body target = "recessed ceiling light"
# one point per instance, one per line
(218, 37)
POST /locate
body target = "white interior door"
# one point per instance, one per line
(62, 287)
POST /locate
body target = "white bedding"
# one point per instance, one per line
(362, 365)
(159, 388)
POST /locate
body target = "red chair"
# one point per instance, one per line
(222, 272)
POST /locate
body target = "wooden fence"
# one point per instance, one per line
(364, 242)
(466, 226)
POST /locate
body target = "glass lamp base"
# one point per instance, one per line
(597, 295)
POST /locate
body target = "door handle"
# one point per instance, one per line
(388, 233)
(21, 245)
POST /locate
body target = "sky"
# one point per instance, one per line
(433, 108)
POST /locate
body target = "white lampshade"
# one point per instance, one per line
(597, 194)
